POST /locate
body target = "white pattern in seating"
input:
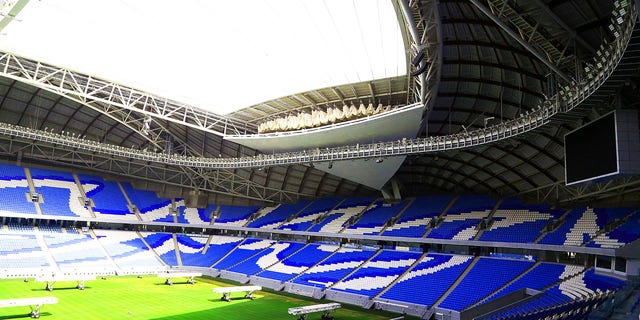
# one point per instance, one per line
(389, 264)
(265, 211)
(270, 258)
(20, 251)
(606, 242)
(336, 225)
(311, 252)
(74, 203)
(271, 225)
(220, 240)
(165, 247)
(466, 215)
(466, 234)
(307, 218)
(327, 247)
(158, 213)
(569, 271)
(192, 216)
(513, 217)
(366, 283)
(409, 224)
(113, 242)
(469, 232)
(575, 288)
(585, 225)
(454, 261)
(14, 184)
(197, 238)
(336, 266)
(374, 230)
(287, 269)
(258, 245)
(75, 251)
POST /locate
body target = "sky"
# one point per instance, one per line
(216, 55)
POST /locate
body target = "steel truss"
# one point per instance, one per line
(624, 189)
(532, 33)
(222, 181)
(422, 20)
(526, 33)
(107, 96)
(134, 109)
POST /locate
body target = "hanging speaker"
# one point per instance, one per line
(420, 70)
(417, 59)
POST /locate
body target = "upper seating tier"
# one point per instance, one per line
(273, 218)
(415, 219)
(106, 196)
(15, 187)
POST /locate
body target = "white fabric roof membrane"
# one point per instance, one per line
(217, 55)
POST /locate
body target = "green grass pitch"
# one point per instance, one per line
(149, 298)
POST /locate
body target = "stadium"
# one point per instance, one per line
(320, 159)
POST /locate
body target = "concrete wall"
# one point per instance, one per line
(350, 298)
(633, 267)
(401, 307)
(276, 285)
(303, 290)
(239, 277)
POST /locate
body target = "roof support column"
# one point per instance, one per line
(415, 39)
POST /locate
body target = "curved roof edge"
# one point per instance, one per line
(396, 124)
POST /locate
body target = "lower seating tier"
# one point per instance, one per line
(445, 281)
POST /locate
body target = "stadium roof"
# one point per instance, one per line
(218, 55)
(493, 61)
